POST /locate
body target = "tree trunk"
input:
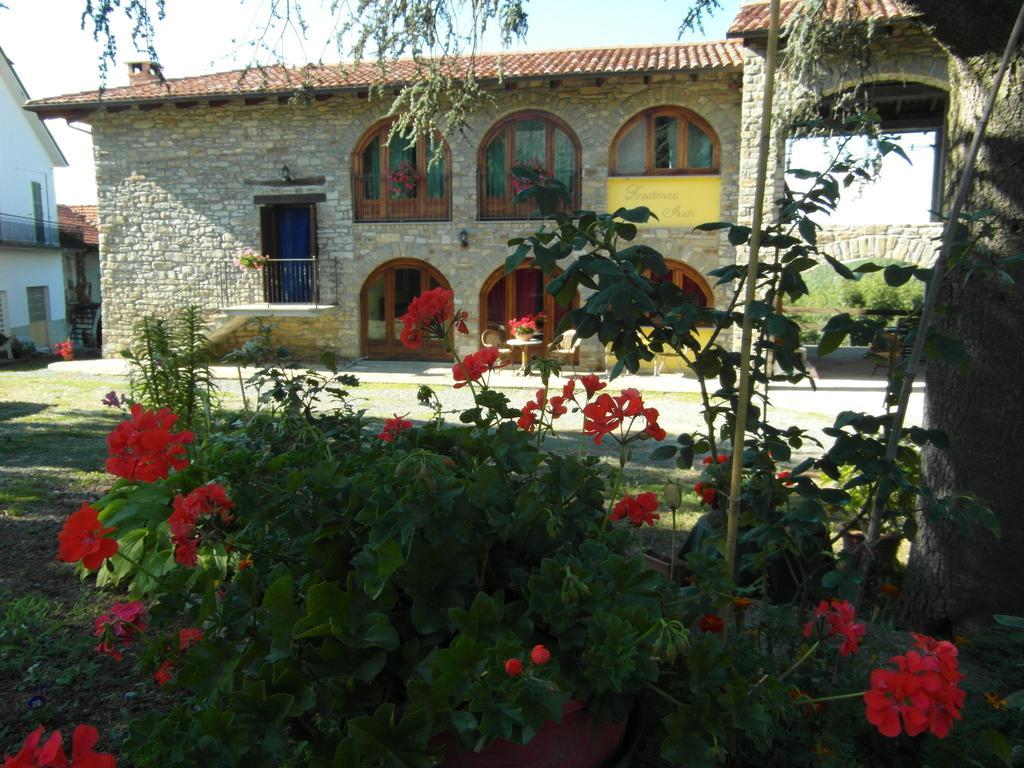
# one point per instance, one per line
(955, 579)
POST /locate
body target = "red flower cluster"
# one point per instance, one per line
(705, 492)
(206, 500)
(639, 509)
(784, 476)
(592, 384)
(51, 754)
(534, 409)
(526, 325)
(427, 315)
(187, 637)
(120, 627)
(475, 365)
(539, 656)
(607, 414)
(393, 428)
(722, 458)
(65, 349)
(835, 618)
(143, 448)
(921, 694)
(711, 623)
(83, 538)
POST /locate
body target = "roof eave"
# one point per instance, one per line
(76, 110)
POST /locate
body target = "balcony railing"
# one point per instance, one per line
(428, 200)
(28, 230)
(281, 281)
(496, 192)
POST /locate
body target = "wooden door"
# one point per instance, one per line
(386, 296)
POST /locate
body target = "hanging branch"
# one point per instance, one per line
(928, 311)
(744, 395)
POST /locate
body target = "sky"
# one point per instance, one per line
(54, 56)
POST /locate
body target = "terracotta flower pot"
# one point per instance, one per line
(580, 740)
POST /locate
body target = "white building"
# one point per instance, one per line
(32, 304)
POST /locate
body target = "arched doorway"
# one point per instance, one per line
(522, 292)
(691, 282)
(385, 297)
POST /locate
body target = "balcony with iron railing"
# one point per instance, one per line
(426, 198)
(29, 231)
(279, 287)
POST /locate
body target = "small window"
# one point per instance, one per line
(665, 140)
(395, 180)
(533, 140)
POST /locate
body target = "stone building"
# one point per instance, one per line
(296, 164)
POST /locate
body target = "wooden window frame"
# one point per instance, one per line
(685, 118)
(419, 208)
(550, 302)
(495, 208)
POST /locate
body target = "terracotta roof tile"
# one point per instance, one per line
(722, 54)
(753, 17)
(79, 222)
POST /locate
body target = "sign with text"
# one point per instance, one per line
(677, 201)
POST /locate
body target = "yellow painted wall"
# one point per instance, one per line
(668, 362)
(678, 201)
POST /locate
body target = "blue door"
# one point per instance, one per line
(296, 268)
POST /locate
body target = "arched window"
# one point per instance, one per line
(534, 140)
(395, 181)
(519, 293)
(693, 285)
(665, 140)
(385, 297)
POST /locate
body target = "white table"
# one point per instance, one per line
(524, 346)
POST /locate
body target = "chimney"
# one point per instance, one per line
(140, 72)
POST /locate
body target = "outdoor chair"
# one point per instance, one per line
(492, 337)
(566, 346)
(886, 350)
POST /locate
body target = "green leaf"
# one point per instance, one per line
(809, 231)
(738, 235)
(281, 613)
(663, 452)
(1017, 622)
(898, 274)
(1000, 745)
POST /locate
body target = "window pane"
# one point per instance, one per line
(666, 142)
(565, 160)
(530, 143)
(699, 150)
(494, 182)
(407, 288)
(629, 154)
(376, 324)
(371, 171)
(435, 172)
(402, 173)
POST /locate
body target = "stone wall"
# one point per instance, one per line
(175, 206)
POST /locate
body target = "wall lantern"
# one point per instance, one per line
(286, 173)
(464, 239)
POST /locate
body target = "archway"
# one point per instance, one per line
(522, 292)
(385, 297)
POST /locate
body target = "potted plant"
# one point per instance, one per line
(65, 349)
(402, 179)
(525, 326)
(248, 259)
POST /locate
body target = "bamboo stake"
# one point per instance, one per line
(736, 476)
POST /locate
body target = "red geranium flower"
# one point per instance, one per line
(834, 618)
(513, 667)
(592, 384)
(83, 538)
(540, 655)
(475, 365)
(188, 637)
(208, 500)
(51, 754)
(722, 458)
(607, 414)
(120, 627)
(639, 509)
(143, 448)
(784, 477)
(711, 623)
(164, 673)
(428, 314)
(393, 428)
